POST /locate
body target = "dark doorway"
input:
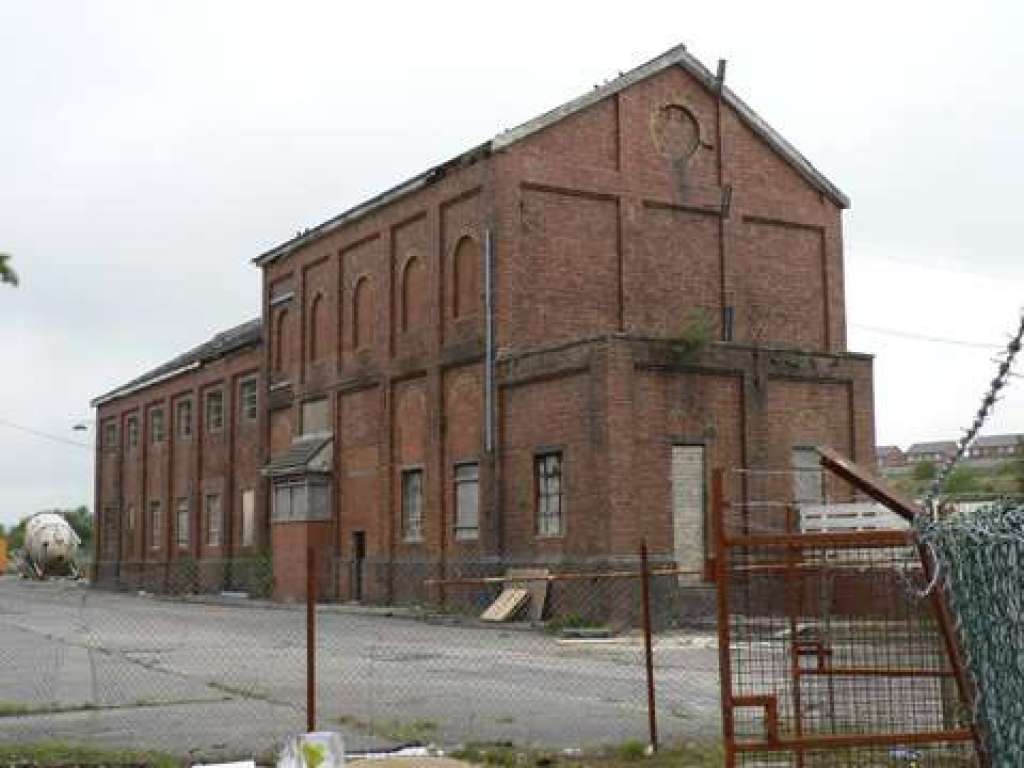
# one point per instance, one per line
(358, 564)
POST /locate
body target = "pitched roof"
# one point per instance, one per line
(883, 450)
(677, 56)
(297, 457)
(998, 441)
(936, 446)
(224, 343)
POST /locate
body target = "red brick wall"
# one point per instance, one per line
(676, 272)
(561, 414)
(600, 228)
(674, 408)
(641, 243)
(565, 278)
(184, 467)
(464, 440)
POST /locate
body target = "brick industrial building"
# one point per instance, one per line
(532, 353)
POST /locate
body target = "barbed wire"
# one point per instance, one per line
(1002, 377)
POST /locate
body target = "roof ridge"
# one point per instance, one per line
(676, 56)
(215, 347)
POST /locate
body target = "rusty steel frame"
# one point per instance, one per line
(577, 576)
(310, 639)
(793, 543)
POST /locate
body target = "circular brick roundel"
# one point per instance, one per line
(676, 132)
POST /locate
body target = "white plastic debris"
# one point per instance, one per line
(321, 749)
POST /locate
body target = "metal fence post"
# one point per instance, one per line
(310, 639)
(645, 596)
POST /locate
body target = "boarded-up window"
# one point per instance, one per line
(181, 526)
(414, 295)
(548, 479)
(156, 524)
(130, 517)
(133, 431)
(316, 416)
(466, 278)
(467, 501)
(412, 504)
(362, 314)
(688, 532)
(110, 434)
(248, 517)
(808, 487)
(214, 520)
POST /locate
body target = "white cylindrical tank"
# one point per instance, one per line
(51, 543)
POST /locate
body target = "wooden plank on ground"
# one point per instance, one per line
(534, 580)
(506, 605)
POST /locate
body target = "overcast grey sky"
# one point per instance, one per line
(149, 150)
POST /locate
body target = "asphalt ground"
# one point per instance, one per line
(227, 677)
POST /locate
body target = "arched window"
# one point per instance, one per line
(414, 292)
(362, 313)
(466, 278)
(316, 333)
(281, 340)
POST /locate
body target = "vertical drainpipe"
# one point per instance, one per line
(490, 442)
(489, 341)
(97, 504)
(727, 318)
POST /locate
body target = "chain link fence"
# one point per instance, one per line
(196, 657)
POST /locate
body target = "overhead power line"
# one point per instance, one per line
(925, 337)
(1001, 379)
(45, 435)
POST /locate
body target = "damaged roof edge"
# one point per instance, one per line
(221, 345)
(677, 56)
(367, 207)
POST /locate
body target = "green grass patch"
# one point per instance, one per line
(68, 755)
(18, 709)
(412, 732)
(570, 621)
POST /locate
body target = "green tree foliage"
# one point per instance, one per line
(81, 520)
(1018, 468)
(963, 480)
(7, 273)
(924, 471)
(16, 536)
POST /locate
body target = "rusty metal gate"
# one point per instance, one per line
(829, 653)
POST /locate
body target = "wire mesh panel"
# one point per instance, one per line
(829, 656)
(564, 668)
(178, 671)
(980, 551)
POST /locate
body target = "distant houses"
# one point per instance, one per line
(935, 451)
(984, 448)
(997, 447)
(890, 456)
